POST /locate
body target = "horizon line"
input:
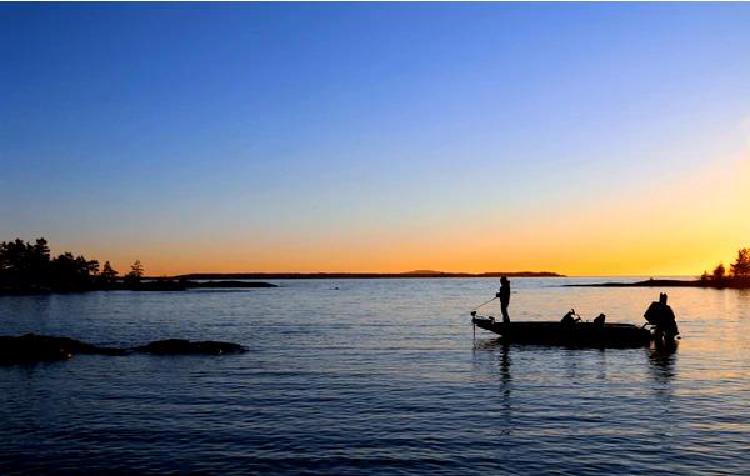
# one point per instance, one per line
(415, 273)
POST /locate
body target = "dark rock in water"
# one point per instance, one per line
(35, 348)
(30, 348)
(186, 347)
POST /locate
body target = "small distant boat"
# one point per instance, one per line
(574, 334)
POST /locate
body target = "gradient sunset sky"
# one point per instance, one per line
(578, 138)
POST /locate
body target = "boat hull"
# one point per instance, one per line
(578, 334)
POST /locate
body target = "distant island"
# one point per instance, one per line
(738, 277)
(339, 275)
(28, 268)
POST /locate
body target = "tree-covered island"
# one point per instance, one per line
(29, 268)
(738, 276)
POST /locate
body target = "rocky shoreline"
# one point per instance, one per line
(31, 348)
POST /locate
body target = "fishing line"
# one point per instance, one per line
(484, 303)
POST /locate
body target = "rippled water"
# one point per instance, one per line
(377, 377)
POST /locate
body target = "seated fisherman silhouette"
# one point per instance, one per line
(570, 318)
(660, 315)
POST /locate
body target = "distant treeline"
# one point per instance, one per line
(739, 272)
(29, 268)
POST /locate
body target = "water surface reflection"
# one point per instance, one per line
(384, 377)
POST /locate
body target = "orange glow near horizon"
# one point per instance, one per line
(678, 227)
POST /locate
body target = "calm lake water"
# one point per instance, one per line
(377, 377)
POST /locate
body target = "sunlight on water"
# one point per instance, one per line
(380, 376)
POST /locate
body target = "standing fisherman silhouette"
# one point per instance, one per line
(504, 295)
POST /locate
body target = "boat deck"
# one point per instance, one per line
(586, 334)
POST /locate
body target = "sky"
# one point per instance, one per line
(587, 139)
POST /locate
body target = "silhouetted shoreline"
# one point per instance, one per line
(694, 283)
(28, 268)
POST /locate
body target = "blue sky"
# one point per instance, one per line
(140, 130)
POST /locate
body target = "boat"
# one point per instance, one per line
(574, 334)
